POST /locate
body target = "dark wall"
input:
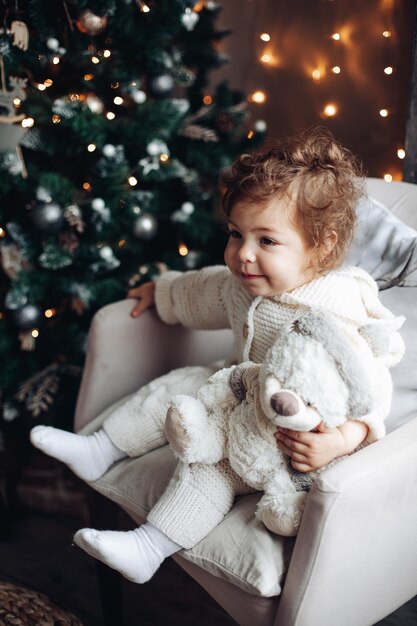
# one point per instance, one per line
(301, 41)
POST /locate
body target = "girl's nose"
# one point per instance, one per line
(247, 253)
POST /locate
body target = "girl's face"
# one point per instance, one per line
(265, 251)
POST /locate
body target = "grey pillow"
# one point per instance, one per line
(384, 246)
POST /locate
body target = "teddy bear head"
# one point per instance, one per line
(312, 374)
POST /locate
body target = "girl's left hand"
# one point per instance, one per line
(311, 450)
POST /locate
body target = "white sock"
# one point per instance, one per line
(89, 456)
(136, 554)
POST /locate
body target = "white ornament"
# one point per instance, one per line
(43, 195)
(188, 208)
(157, 147)
(52, 43)
(106, 253)
(189, 19)
(138, 96)
(109, 150)
(94, 104)
(260, 126)
(148, 165)
(98, 204)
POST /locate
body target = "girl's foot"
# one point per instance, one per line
(89, 456)
(136, 554)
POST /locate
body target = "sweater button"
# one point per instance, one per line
(245, 330)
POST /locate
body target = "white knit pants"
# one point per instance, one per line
(198, 496)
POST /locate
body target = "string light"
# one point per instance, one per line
(388, 178)
(250, 134)
(28, 122)
(387, 34)
(50, 313)
(388, 70)
(316, 74)
(266, 58)
(88, 77)
(41, 87)
(2, 232)
(336, 36)
(110, 115)
(132, 181)
(384, 112)
(118, 100)
(143, 6)
(48, 82)
(17, 102)
(95, 60)
(56, 60)
(207, 100)
(35, 333)
(91, 147)
(164, 157)
(257, 96)
(87, 186)
(329, 110)
(56, 119)
(401, 153)
(107, 53)
(265, 37)
(336, 69)
(182, 249)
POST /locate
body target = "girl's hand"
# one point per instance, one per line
(313, 450)
(145, 294)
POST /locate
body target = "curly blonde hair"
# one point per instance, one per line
(323, 179)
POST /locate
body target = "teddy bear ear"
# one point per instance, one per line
(241, 377)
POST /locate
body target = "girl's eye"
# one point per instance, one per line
(267, 242)
(234, 234)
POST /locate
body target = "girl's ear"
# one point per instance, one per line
(328, 244)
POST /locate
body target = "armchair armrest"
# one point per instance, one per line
(124, 353)
(355, 557)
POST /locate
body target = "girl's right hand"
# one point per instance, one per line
(145, 294)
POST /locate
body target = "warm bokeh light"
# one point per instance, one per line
(132, 181)
(107, 53)
(91, 147)
(401, 153)
(50, 313)
(336, 69)
(265, 37)
(35, 333)
(250, 134)
(316, 74)
(182, 249)
(388, 70)
(28, 122)
(118, 100)
(336, 36)
(164, 157)
(266, 58)
(387, 34)
(258, 96)
(329, 110)
(207, 100)
(388, 178)
(56, 60)
(87, 186)
(2, 232)
(56, 119)
(384, 112)
(110, 115)
(95, 60)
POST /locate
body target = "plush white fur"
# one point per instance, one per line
(234, 413)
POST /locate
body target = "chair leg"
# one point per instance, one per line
(104, 515)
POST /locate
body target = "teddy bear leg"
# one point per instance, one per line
(282, 514)
(194, 436)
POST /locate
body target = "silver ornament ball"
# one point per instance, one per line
(28, 317)
(48, 217)
(145, 226)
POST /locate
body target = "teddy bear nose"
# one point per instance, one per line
(284, 403)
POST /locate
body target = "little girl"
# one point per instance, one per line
(291, 216)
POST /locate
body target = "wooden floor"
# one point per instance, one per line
(39, 555)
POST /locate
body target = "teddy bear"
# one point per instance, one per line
(313, 373)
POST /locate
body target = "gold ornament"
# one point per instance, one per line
(91, 24)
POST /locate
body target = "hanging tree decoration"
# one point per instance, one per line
(89, 23)
(11, 133)
(48, 217)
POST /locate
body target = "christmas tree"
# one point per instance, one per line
(111, 145)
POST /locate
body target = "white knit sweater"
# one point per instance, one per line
(212, 298)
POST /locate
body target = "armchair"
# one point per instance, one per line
(354, 559)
